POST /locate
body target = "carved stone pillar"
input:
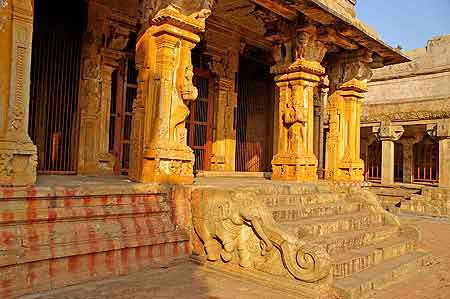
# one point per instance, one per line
(295, 159)
(319, 124)
(224, 137)
(106, 159)
(167, 82)
(347, 75)
(91, 92)
(18, 158)
(223, 65)
(443, 133)
(388, 134)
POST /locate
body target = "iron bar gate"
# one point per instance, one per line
(426, 161)
(55, 71)
(254, 117)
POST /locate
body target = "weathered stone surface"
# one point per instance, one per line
(57, 236)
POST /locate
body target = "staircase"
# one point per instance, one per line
(368, 246)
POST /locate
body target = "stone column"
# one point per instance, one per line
(408, 144)
(344, 143)
(224, 67)
(323, 99)
(388, 134)
(167, 46)
(295, 159)
(18, 158)
(91, 91)
(443, 133)
(348, 74)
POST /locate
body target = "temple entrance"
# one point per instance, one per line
(199, 122)
(123, 94)
(55, 72)
(254, 128)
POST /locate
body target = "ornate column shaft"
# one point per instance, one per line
(295, 159)
(18, 159)
(224, 137)
(348, 74)
(167, 45)
(443, 133)
(388, 134)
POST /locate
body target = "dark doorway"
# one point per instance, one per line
(426, 161)
(254, 117)
(55, 71)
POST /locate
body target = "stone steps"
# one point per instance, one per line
(342, 242)
(291, 212)
(358, 260)
(321, 226)
(360, 284)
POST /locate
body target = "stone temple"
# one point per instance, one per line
(249, 136)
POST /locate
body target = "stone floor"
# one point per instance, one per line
(192, 281)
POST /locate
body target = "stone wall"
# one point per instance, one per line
(417, 90)
(51, 237)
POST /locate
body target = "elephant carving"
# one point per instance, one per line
(235, 227)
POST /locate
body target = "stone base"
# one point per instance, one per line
(168, 165)
(58, 236)
(287, 167)
(350, 171)
(17, 164)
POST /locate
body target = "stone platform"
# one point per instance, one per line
(69, 230)
(308, 240)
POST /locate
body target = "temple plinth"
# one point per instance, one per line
(295, 159)
(167, 46)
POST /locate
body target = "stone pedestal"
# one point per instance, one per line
(18, 159)
(343, 142)
(443, 133)
(165, 83)
(388, 134)
(295, 159)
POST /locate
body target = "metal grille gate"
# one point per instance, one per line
(198, 124)
(254, 117)
(55, 71)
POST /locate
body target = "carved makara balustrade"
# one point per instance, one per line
(295, 159)
(348, 85)
(18, 158)
(236, 228)
(165, 83)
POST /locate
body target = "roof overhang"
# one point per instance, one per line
(345, 25)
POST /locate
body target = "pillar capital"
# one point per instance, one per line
(388, 132)
(443, 129)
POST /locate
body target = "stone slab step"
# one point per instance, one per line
(320, 226)
(358, 260)
(342, 242)
(282, 213)
(360, 284)
(272, 200)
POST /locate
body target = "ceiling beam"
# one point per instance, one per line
(278, 8)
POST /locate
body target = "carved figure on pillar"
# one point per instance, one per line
(348, 75)
(165, 82)
(296, 82)
(18, 158)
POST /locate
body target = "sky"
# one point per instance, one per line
(408, 23)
